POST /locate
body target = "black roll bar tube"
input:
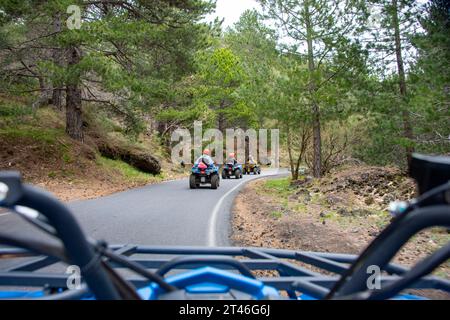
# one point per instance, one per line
(382, 254)
(79, 251)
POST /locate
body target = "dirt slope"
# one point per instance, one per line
(36, 145)
(342, 213)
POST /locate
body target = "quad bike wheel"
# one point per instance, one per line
(192, 182)
(238, 174)
(224, 175)
(215, 181)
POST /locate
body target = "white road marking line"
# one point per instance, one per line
(213, 219)
(215, 212)
(4, 213)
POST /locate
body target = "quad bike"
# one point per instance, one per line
(218, 273)
(250, 168)
(232, 170)
(204, 174)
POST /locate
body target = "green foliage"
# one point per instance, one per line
(240, 114)
(221, 67)
(427, 100)
(430, 80)
(14, 110)
(186, 117)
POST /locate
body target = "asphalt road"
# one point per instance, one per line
(168, 213)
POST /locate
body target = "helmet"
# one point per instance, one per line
(232, 155)
(206, 151)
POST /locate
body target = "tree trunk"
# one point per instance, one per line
(303, 146)
(57, 98)
(407, 127)
(317, 139)
(74, 120)
(44, 97)
(57, 60)
(221, 118)
(247, 148)
(294, 171)
(317, 143)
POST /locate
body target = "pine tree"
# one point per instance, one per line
(119, 45)
(390, 41)
(317, 28)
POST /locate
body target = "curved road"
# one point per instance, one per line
(168, 213)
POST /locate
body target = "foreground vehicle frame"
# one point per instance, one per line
(297, 281)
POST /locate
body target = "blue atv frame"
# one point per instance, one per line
(218, 273)
(199, 177)
(232, 170)
(215, 273)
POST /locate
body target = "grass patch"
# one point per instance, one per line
(280, 187)
(67, 158)
(129, 172)
(300, 207)
(101, 120)
(316, 198)
(67, 174)
(382, 218)
(46, 136)
(14, 110)
(331, 215)
(18, 115)
(52, 174)
(276, 214)
(440, 236)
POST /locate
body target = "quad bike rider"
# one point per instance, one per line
(251, 166)
(204, 171)
(232, 168)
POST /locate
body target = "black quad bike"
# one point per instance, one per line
(232, 170)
